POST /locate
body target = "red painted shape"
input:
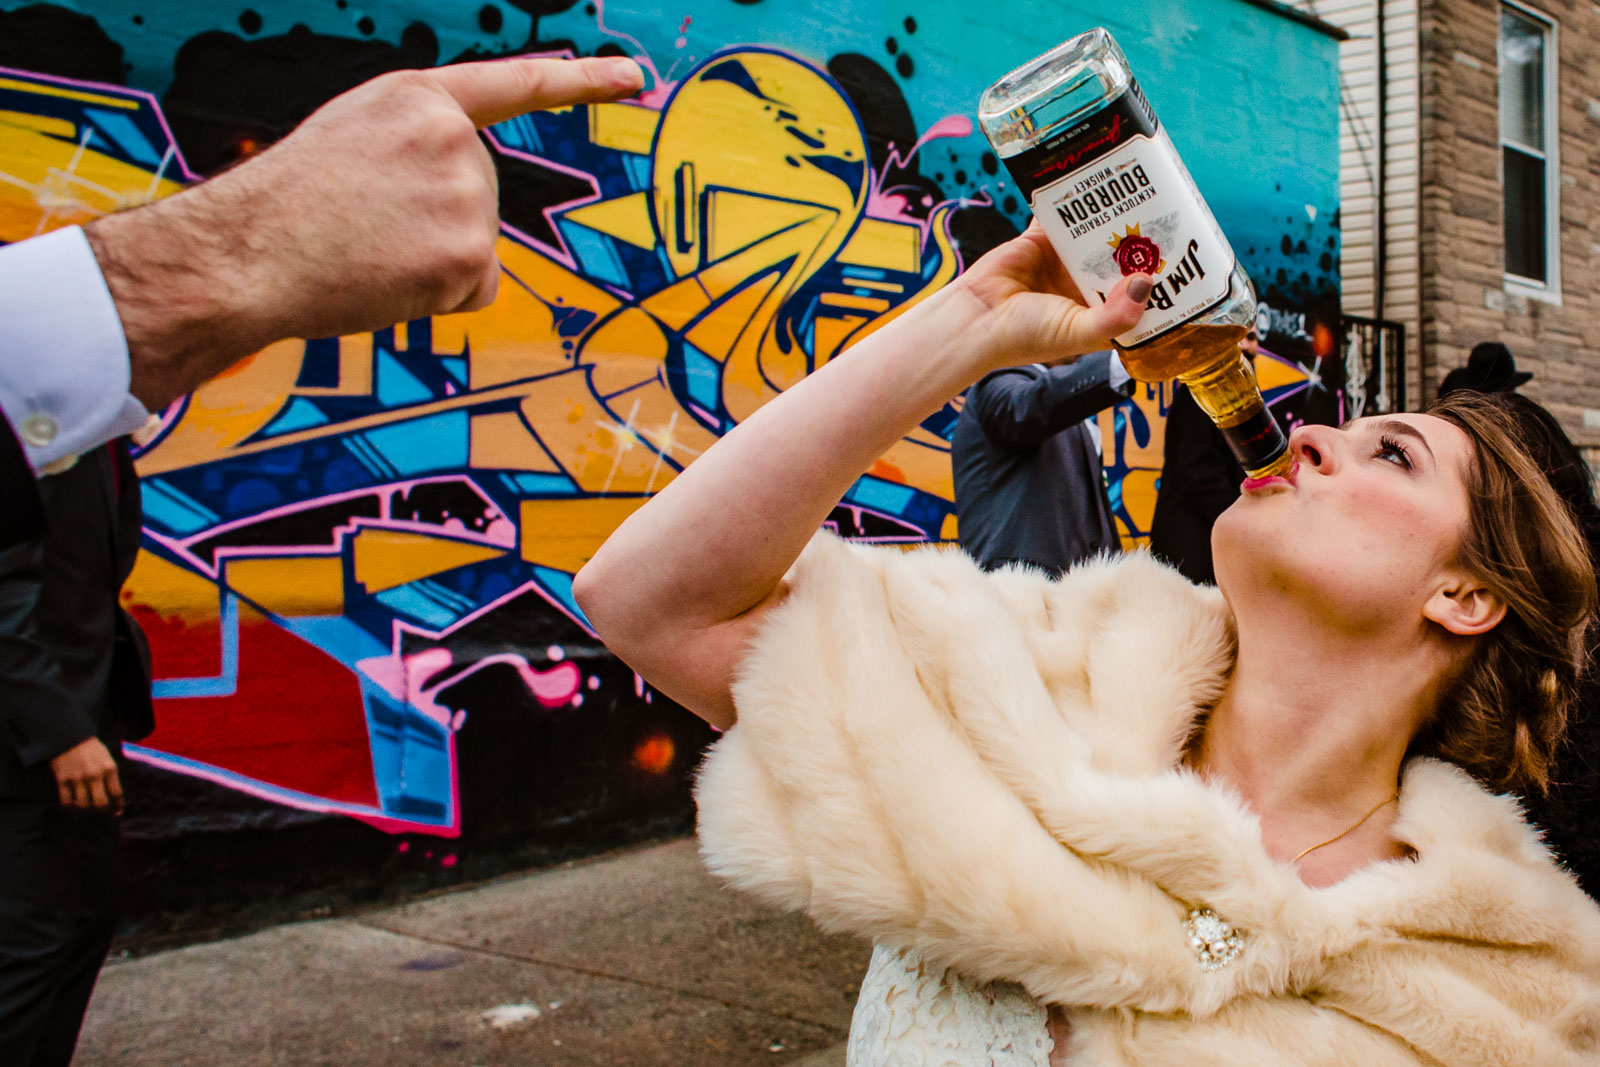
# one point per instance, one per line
(296, 720)
(178, 648)
(888, 472)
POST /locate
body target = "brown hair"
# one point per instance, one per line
(1504, 715)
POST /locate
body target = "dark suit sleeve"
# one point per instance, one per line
(39, 720)
(1206, 469)
(1022, 407)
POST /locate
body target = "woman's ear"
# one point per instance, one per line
(1465, 607)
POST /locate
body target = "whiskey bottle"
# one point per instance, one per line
(1101, 175)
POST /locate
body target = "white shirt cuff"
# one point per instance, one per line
(1117, 375)
(63, 359)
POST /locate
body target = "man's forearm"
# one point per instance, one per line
(179, 273)
(1022, 410)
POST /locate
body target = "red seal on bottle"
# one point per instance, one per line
(1137, 254)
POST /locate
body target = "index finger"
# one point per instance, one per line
(494, 90)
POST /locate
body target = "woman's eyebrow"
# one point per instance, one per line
(1404, 429)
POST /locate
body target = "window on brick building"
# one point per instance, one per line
(1528, 151)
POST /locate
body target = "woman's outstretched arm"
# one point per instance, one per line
(678, 590)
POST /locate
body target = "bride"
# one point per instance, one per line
(1117, 818)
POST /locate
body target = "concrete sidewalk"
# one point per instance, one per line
(636, 958)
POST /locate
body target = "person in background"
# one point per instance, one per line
(1199, 481)
(1567, 810)
(60, 782)
(379, 208)
(1026, 459)
(1490, 369)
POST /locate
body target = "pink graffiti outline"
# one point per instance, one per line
(294, 798)
(642, 58)
(183, 546)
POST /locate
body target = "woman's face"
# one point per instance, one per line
(1365, 530)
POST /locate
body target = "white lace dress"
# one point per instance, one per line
(912, 1015)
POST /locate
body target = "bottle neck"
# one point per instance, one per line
(1226, 391)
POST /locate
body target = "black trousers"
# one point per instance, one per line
(59, 873)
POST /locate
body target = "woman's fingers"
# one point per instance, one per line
(1067, 328)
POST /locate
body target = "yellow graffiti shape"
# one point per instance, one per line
(51, 176)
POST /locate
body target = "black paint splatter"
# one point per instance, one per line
(490, 19)
(961, 177)
(975, 230)
(1009, 205)
(989, 164)
(1287, 245)
(228, 89)
(891, 46)
(1325, 261)
(138, 20)
(903, 65)
(911, 24)
(367, 26)
(250, 21)
(53, 40)
(879, 101)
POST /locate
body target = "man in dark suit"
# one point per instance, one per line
(1200, 479)
(1026, 458)
(77, 683)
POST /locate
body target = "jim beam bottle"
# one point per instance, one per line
(1083, 145)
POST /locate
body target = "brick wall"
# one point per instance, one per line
(1464, 299)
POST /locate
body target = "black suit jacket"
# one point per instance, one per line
(1199, 481)
(73, 664)
(1028, 478)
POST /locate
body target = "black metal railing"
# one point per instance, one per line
(1374, 352)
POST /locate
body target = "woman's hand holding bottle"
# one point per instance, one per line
(1032, 312)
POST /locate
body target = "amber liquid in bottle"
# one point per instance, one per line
(1207, 359)
(1102, 177)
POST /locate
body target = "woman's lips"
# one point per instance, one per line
(1250, 485)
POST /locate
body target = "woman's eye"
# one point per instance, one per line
(1394, 452)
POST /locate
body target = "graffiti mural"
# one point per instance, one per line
(358, 553)
(462, 462)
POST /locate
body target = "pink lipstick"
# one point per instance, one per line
(1252, 484)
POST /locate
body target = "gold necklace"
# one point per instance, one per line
(1357, 825)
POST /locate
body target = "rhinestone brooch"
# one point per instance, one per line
(1215, 942)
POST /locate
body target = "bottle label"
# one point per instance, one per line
(1256, 441)
(1115, 199)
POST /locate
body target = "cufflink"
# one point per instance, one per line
(60, 466)
(38, 429)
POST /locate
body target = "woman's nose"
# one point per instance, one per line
(1315, 447)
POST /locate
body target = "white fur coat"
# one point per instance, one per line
(984, 768)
